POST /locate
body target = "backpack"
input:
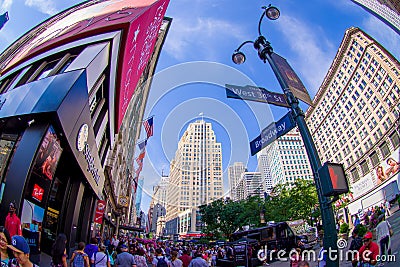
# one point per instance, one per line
(161, 262)
(79, 260)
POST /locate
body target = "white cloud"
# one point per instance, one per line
(202, 35)
(314, 53)
(5, 5)
(45, 6)
(383, 34)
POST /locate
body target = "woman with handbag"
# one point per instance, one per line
(383, 233)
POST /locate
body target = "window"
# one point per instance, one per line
(374, 159)
(355, 175)
(384, 148)
(394, 139)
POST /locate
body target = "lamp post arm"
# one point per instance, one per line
(240, 46)
(259, 23)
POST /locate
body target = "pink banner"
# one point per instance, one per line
(142, 36)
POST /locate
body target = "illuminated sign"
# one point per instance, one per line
(37, 193)
(333, 179)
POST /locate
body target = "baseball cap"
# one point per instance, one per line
(123, 246)
(19, 244)
(368, 235)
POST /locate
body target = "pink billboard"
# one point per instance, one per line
(140, 21)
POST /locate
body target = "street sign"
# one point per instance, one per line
(254, 93)
(272, 132)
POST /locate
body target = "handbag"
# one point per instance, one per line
(390, 229)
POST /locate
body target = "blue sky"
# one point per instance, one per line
(195, 63)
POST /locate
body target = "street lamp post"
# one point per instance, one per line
(264, 52)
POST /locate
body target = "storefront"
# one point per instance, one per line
(49, 160)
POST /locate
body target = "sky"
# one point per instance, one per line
(195, 64)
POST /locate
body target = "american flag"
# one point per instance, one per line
(148, 126)
(142, 144)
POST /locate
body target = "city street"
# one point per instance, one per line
(394, 220)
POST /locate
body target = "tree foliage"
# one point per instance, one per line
(224, 217)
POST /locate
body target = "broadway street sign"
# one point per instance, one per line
(272, 132)
(255, 93)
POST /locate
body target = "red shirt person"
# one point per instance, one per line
(13, 223)
(369, 252)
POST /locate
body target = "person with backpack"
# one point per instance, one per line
(356, 244)
(160, 260)
(100, 258)
(124, 259)
(112, 254)
(79, 257)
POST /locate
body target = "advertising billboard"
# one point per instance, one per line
(384, 171)
(139, 20)
(48, 156)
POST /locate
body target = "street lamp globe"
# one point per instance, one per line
(238, 57)
(272, 13)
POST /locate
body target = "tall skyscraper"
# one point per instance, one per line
(252, 184)
(355, 118)
(195, 175)
(387, 11)
(158, 206)
(235, 172)
(264, 169)
(286, 159)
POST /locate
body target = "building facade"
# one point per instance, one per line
(387, 11)
(195, 176)
(355, 118)
(235, 172)
(158, 206)
(264, 169)
(287, 159)
(253, 185)
(64, 101)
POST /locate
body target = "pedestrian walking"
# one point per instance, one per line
(59, 251)
(160, 260)
(124, 259)
(368, 253)
(185, 258)
(79, 258)
(13, 223)
(100, 258)
(91, 248)
(175, 261)
(21, 251)
(355, 245)
(198, 261)
(387, 208)
(140, 259)
(383, 230)
(5, 252)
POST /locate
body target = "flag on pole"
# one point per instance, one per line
(148, 126)
(3, 19)
(142, 144)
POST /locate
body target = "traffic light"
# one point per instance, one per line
(333, 179)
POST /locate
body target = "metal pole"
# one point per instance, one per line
(330, 236)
